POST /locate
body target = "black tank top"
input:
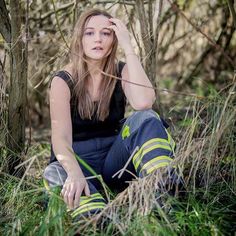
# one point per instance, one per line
(83, 129)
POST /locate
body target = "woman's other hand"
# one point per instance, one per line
(72, 190)
(121, 32)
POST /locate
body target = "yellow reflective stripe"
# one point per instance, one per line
(159, 159)
(157, 115)
(95, 195)
(137, 162)
(92, 195)
(89, 199)
(171, 141)
(91, 208)
(154, 140)
(148, 171)
(88, 207)
(46, 185)
(144, 151)
(80, 208)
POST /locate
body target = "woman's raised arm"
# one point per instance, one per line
(139, 97)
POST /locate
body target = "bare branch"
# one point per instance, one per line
(132, 29)
(217, 46)
(232, 10)
(144, 26)
(5, 26)
(58, 24)
(54, 11)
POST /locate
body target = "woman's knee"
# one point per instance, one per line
(134, 121)
(55, 174)
(144, 114)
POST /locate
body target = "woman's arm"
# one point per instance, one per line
(139, 97)
(62, 142)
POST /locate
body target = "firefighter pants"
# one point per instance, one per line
(143, 135)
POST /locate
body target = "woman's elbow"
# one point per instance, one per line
(144, 105)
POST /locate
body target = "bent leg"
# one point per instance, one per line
(55, 175)
(145, 130)
(116, 159)
(145, 134)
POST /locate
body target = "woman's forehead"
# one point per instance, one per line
(99, 21)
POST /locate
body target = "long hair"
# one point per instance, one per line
(80, 73)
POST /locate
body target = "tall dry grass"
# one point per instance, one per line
(205, 158)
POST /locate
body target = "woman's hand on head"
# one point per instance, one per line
(121, 32)
(72, 190)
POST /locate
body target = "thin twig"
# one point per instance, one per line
(217, 46)
(150, 87)
(232, 10)
(132, 29)
(58, 24)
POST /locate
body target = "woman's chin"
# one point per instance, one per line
(96, 57)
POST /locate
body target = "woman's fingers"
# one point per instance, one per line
(70, 198)
(68, 194)
(65, 195)
(72, 192)
(77, 198)
(118, 22)
(114, 27)
(86, 190)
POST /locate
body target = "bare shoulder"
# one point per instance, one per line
(59, 88)
(58, 84)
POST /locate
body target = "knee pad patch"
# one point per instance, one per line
(136, 120)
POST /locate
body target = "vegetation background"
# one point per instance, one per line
(188, 49)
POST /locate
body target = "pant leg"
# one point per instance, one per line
(116, 159)
(55, 175)
(144, 131)
(93, 152)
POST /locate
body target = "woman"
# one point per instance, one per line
(87, 106)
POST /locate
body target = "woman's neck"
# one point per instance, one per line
(95, 68)
(95, 79)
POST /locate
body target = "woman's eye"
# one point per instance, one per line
(106, 33)
(88, 33)
(103, 33)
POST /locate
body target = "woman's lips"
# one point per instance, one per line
(97, 48)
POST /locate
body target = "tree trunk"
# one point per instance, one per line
(5, 27)
(15, 139)
(150, 45)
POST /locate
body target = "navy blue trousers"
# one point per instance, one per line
(143, 136)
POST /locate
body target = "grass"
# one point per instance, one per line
(205, 155)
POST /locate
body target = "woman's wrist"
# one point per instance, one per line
(75, 174)
(128, 49)
(130, 54)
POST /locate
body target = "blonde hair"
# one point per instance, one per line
(80, 73)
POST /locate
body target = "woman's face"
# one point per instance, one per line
(97, 38)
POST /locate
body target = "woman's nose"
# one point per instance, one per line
(98, 37)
